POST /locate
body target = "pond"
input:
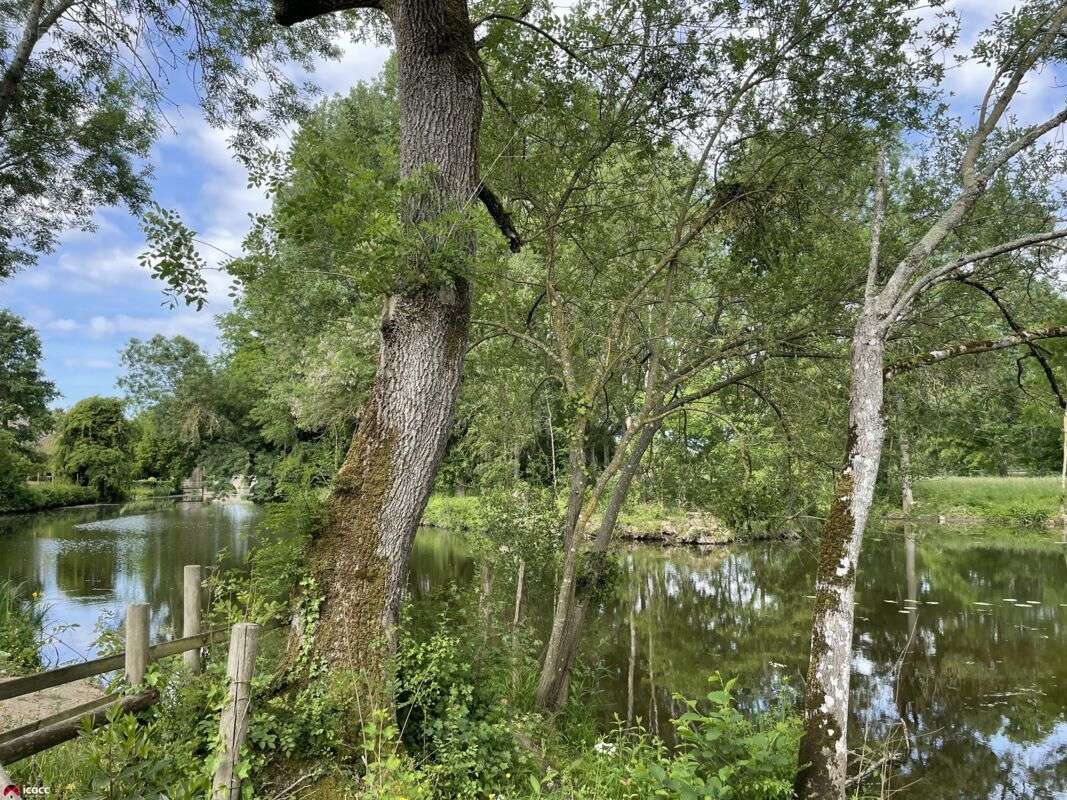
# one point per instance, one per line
(960, 635)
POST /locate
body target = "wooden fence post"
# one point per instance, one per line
(136, 642)
(191, 614)
(233, 726)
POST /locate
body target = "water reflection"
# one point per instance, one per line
(960, 636)
(89, 563)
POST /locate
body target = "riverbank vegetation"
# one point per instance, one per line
(22, 620)
(463, 727)
(740, 259)
(1026, 500)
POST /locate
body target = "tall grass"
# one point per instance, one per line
(1030, 500)
(21, 626)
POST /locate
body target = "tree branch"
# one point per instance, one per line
(1035, 351)
(945, 271)
(536, 29)
(501, 217)
(290, 12)
(972, 347)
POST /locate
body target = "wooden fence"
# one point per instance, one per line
(40, 735)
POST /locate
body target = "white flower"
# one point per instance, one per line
(604, 748)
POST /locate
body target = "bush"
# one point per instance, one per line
(452, 718)
(14, 468)
(720, 754)
(43, 496)
(454, 513)
(21, 629)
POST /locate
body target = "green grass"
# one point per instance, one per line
(650, 517)
(454, 513)
(1027, 500)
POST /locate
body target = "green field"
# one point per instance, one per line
(1031, 500)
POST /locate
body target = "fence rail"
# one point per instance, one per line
(34, 737)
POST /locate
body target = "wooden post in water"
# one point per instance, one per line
(233, 726)
(191, 614)
(136, 642)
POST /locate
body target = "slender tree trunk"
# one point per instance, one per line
(550, 685)
(907, 498)
(484, 596)
(361, 558)
(520, 586)
(823, 751)
(569, 618)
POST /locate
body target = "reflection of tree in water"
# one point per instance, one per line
(980, 689)
(978, 685)
(87, 571)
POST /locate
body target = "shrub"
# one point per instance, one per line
(21, 628)
(452, 718)
(720, 754)
(43, 496)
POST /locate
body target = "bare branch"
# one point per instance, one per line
(1035, 351)
(876, 224)
(945, 271)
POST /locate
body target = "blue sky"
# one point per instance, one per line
(90, 297)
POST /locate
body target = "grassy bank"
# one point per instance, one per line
(44, 496)
(463, 513)
(1025, 500)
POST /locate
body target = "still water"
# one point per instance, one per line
(960, 636)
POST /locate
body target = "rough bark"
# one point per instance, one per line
(361, 558)
(823, 753)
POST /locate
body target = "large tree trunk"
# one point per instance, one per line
(823, 749)
(361, 559)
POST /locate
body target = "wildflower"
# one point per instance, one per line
(604, 748)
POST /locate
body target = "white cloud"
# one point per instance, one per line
(360, 61)
(198, 326)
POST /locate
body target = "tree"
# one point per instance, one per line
(83, 92)
(630, 290)
(24, 392)
(93, 447)
(932, 253)
(379, 494)
(161, 368)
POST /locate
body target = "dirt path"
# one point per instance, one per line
(29, 708)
